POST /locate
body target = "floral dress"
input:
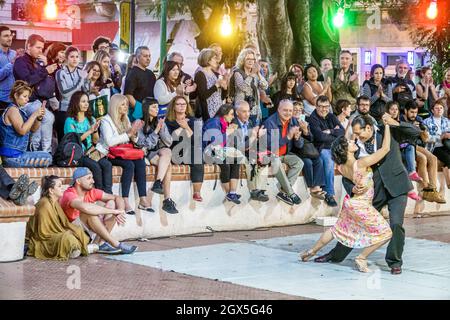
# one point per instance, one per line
(359, 224)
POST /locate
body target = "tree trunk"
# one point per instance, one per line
(299, 16)
(275, 33)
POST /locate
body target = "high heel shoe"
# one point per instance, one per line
(361, 264)
(305, 256)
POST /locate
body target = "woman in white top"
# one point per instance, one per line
(169, 85)
(115, 129)
(313, 88)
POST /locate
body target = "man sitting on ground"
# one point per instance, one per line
(79, 204)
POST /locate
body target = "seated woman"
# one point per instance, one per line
(229, 172)
(343, 110)
(314, 88)
(50, 234)
(169, 85)
(439, 128)
(181, 124)
(115, 129)
(80, 121)
(156, 139)
(17, 191)
(287, 92)
(359, 224)
(15, 130)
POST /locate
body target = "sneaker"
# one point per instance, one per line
(233, 198)
(331, 202)
(197, 197)
(19, 187)
(23, 197)
(108, 249)
(158, 187)
(413, 195)
(295, 198)
(126, 248)
(92, 248)
(285, 198)
(75, 254)
(259, 195)
(414, 176)
(169, 206)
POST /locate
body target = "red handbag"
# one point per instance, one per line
(125, 151)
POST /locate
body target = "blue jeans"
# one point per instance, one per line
(41, 140)
(36, 159)
(328, 166)
(409, 155)
(313, 172)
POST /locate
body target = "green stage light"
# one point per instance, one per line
(339, 19)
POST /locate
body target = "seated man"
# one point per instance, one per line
(79, 204)
(246, 140)
(17, 191)
(283, 132)
(427, 163)
(325, 128)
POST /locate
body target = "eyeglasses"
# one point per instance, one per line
(323, 106)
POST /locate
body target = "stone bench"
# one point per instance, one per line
(214, 213)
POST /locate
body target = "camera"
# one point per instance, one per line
(250, 100)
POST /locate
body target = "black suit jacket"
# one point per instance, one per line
(389, 173)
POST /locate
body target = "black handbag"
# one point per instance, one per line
(446, 144)
(308, 151)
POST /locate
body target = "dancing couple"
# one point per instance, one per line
(373, 176)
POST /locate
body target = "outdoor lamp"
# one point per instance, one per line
(226, 28)
(338, 19)
(432, 10)
(51, 10)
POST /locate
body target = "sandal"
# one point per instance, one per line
(148, 209)
(318, 194)
(361, 264)
(305, 256)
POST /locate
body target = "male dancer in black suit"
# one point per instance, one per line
(391, 186)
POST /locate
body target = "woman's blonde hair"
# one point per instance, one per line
(18, 88)
(99, 56)
(121, 122)
(240, 61)
(171, 114)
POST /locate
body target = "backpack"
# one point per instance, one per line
(403, 97)
(69, 151)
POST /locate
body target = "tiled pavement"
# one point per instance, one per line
(102, 278)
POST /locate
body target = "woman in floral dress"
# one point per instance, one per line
(359, 224)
